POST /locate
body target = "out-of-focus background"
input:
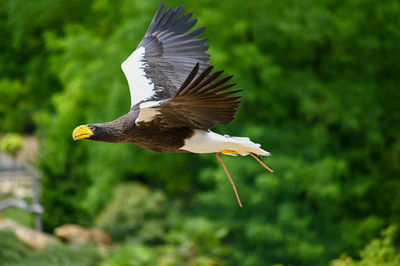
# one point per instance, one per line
(321, 93)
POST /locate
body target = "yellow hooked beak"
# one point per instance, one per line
(82, 132)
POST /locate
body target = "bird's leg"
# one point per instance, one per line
(230, 179)
(266, 167)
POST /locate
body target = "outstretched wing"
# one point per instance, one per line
(200, 102)
(165, 56)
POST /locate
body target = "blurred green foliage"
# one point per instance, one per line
(26, 82)
(20, 216)
(379, 251)
(321, 90)
(156, 233)
(192, 243)
(137, 211)
(11, 144)
(15, 253)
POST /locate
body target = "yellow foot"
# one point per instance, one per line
(229, 152)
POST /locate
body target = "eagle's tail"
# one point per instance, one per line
(243, 146)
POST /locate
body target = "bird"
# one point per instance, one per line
(176, 98)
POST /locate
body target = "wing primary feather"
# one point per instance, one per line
(189, 43)
(164, 35)
(156, 19)
(189, 78)
(179, 39)
(196, 32)
(217, 95)
(217, 83)
(197, 42)
(192, 87)
(164, 20)
(203, 84)
(224, 94)
(208, 80)
(219, 89)
(177, 13)
(187, 26)
(180, 22)
(189, 50)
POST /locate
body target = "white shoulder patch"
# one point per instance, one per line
(140, 87)
(148, 110)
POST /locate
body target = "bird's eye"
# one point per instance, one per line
(92, 128)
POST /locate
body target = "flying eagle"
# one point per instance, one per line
(175, 97)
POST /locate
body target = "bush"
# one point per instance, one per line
(193, 241)
(380, 251)
(134, 211)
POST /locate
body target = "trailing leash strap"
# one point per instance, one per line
(230, 179)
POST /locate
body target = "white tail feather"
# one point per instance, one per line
(210, 142)
(244, 146)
